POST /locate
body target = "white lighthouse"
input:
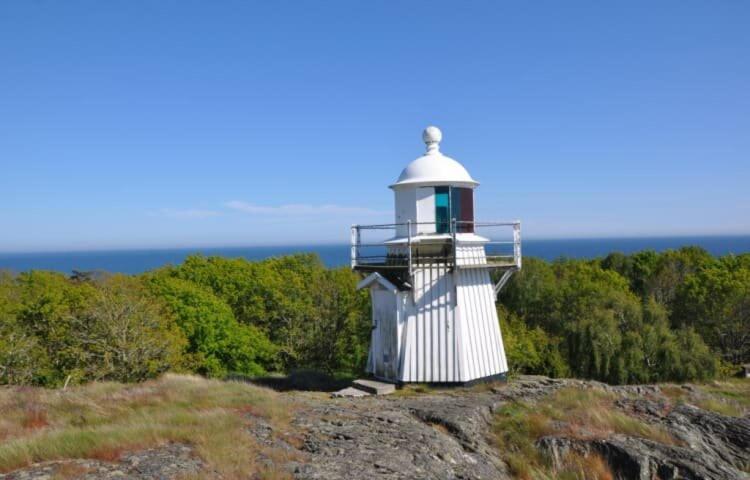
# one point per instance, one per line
(433, 297)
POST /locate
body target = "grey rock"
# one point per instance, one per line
(641, 459)
(350, 392)
(447, 434)
(167, 462)
(374, 387)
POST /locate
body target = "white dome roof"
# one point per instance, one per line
(434, 168)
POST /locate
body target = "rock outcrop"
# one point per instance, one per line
(450, 434)
(168, 462)
(447, 435)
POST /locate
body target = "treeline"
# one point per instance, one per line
(647, 317)
(213, 316)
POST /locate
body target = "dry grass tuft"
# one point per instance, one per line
(590, 467)
(68, 471)
(34, 417)
(674, 392)
(413, 389)
(732, 396)
(104, 420)
(588, 414)
(107, 454)
(727, 397)
(721, 406)
(570, 412)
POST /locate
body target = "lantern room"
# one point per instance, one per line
(434, 190)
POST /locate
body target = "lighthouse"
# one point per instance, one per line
(434, 275)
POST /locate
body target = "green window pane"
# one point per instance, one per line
(455, 206)
(442, 210)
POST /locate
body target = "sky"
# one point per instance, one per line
(155, 124)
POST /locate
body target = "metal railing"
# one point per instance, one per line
(409, 245)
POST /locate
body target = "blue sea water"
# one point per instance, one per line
(137, 261)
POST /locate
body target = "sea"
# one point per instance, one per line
(138, 261)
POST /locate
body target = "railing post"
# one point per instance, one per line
(517, 244)
(408, 243)
(354, 244)
(455, 250)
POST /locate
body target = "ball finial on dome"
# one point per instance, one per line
(432, 137)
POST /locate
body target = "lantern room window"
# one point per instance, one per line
(462, 209)
(442, 210)
(454, 203)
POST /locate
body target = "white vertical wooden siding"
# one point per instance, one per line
(429, 343)
(451, 331)
(447, 325)
(471, 254)
(482, 351)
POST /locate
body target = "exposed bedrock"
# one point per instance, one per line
(447, 435)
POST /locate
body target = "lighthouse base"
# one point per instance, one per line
(498, 378)
(444, 330)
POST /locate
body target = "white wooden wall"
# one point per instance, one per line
(446, 329)
(482, 350)
(426, 210)
(416, 204)
(384, 334)
(471, 254)
(428, 339)
(406, 209)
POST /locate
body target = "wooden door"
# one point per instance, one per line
(385, 353)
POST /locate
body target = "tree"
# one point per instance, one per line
(20, 353)
(123, 334)
(672, 267)
(217, 343)
(637, 268)
(340, 328)
(715, 302)
(533, 294)
(606, 331)
(314, 316)
(47, 306)
(530, 350)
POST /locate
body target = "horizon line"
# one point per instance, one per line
(343, 244)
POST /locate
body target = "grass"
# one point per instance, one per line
(570, 412)
(734, 394)
(589, 414)
(726, 397)
(103, 420)
(416, 389)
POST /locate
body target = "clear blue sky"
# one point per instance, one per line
(194, 123)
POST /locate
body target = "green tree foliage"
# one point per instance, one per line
(605, 330)
(530, 350)
(340, 335)
(20, 353)
(313, 315)
(53, 329)
(48, 305)
(715, 302)
(217, 343)
(647, 317)
(211, 315)
(123, 334)
(658, 275)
